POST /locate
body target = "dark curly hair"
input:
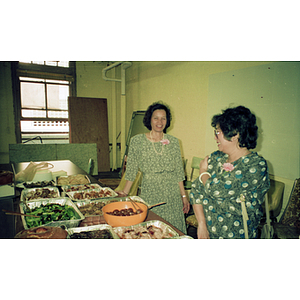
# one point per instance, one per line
(148, 115)
(238, 120)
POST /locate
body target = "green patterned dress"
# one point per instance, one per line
(221, 193)
(161, 175)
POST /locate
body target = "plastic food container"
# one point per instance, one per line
(92, 228)
(61, 201)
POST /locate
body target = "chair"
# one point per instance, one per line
(275, 198)
(289, 225)
(195, 165)
(135, 185)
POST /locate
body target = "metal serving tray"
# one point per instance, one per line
(68, 177)
(106, 189)
(156, 223)
(62, 201)
(25, 193)
(183, 237)
(82, 203)
(92, 228)
(80, 187)
(37, 184)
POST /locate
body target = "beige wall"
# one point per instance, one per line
(182, 85)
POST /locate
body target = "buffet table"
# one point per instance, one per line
(71, 169)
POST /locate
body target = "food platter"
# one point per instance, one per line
(72, 231)
(140, 231)
(27, 207)
(35, 184)
(39, 193)
(183, 237)
(72, 180)
(80, 187)
(93, 207)
(93, 194)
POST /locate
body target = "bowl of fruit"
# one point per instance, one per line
(124, 213)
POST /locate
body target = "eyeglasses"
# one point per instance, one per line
(216, 133)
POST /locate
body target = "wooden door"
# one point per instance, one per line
(88, 123)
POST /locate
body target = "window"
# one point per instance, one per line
(44, 88)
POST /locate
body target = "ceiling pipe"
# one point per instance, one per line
(108, 68)
(124, 66)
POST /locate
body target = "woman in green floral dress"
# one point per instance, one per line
(227, 174)
(157, 155)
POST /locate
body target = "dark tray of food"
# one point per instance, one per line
(51, 212)
(38, 184)
(102, 231)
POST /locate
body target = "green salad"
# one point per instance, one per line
(50, 212)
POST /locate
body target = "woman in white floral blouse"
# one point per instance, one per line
(157, 155)
(228, 175)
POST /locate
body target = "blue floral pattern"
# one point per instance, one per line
(220, 195)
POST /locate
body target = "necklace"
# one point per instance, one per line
(162, 146)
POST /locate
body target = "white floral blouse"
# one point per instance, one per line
(161, 175)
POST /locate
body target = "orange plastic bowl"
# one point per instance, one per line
(117, 221)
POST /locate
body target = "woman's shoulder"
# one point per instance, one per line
(170, 137)
(138, 137)
(256, 158)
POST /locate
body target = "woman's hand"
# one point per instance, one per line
(121, 194)
(186, 205)
(203, 165)
(202, 232)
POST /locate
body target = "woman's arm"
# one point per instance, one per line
(202, 232)
(186, 203)
(126, 189)
(203, 169)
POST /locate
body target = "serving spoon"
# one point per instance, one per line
(14, 213)
(149, 207)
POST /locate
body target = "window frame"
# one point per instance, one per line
(20, 69)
